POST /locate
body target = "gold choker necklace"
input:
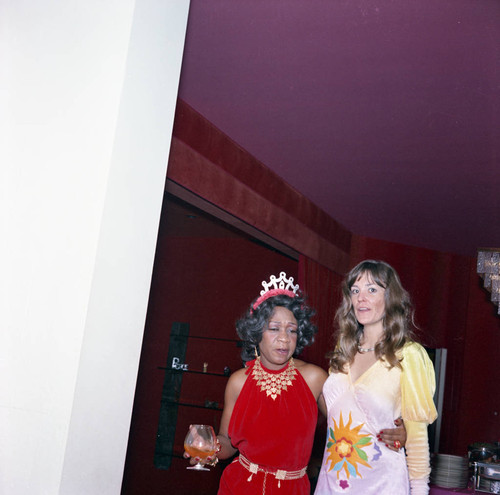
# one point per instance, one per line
(274, 383)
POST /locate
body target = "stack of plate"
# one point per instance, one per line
(449, 471)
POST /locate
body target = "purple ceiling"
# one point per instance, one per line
(384, 113)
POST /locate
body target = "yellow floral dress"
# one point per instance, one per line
(354, 461)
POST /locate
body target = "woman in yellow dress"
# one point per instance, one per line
(377, 373)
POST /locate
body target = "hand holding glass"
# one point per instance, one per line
(200, 442)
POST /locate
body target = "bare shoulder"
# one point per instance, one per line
(239, 376)
(310, 369)
(237, 380)
(314, 376)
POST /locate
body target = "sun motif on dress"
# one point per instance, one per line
(345, 447)
(274, 383)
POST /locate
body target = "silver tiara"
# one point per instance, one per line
(279, 283)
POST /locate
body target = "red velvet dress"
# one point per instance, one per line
(273, 433)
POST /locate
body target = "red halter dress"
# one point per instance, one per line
(272, 426)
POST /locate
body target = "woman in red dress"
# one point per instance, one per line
(270, 407)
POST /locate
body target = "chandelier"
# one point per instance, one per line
(488, 267)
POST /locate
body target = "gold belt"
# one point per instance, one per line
(279, 474)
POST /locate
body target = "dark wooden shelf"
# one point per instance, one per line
(190, 404)
(172, 370)
(238, 342)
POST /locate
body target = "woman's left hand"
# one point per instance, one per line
(394, 438)
(210, 460)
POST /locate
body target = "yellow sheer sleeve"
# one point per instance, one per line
(418, 410)
(417, 456)
(417, 385)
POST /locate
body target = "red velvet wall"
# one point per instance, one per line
(207, 163)
(207, 282)
(480, 419)
(454, 312)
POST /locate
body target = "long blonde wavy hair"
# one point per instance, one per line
(398, 321)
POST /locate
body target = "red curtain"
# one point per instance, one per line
(322, 287)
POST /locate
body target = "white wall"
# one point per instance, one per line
(87, 96)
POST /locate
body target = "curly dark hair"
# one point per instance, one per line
(398, 321)
(251, 326)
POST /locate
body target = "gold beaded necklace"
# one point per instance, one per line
(274, 383)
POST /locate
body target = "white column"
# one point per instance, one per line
(87, 98)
